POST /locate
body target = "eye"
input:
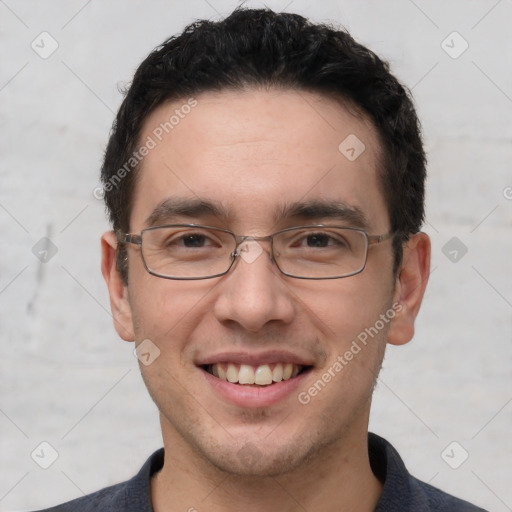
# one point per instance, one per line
(194, 240)
(319, 240)
(190, 240)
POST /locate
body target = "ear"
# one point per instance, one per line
(410, 287)
(118, 291)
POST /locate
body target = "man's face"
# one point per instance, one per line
(260, 155)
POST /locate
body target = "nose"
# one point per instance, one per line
(254, 294)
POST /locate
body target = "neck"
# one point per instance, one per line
(338, 478)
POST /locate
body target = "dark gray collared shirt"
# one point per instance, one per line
(401, 491)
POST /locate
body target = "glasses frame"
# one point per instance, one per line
(136, 239)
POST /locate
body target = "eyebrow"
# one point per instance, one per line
(315, 210)
(325, 209)
(169, 208)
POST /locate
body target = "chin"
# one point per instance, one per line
(263, 465)
(253, 459)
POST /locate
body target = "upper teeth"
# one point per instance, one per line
(263, 374)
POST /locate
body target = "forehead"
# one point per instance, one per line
(256, 152)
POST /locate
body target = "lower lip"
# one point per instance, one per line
(252, 396)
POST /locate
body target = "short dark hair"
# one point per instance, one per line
(261, 48)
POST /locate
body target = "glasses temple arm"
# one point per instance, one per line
(131, 239)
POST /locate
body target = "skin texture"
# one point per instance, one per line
(253, 152)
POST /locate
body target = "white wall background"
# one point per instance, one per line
(65, 376)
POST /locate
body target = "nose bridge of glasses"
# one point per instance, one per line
(249, 247)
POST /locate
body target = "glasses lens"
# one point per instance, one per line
(320, 252)
(184, 252)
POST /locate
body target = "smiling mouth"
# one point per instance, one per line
(261, 375)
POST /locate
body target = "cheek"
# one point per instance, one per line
(344, 308)
(165, 311)
(355, 319)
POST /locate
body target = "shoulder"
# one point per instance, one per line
(110, 499)
(434, 499)
(132, 495)
(402, 491)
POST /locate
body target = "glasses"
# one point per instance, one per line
(191, 251)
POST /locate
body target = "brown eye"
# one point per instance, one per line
(318, 240)
(194, 240)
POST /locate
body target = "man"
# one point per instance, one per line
(265, 182)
